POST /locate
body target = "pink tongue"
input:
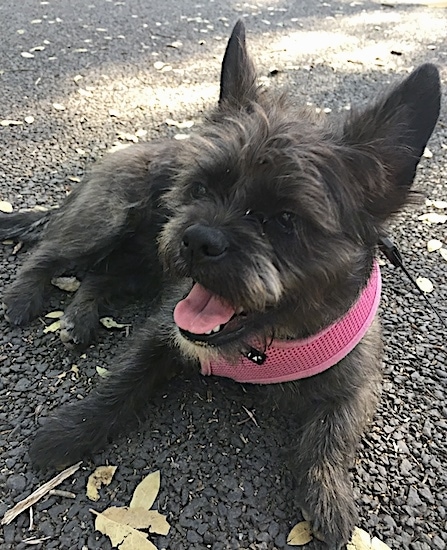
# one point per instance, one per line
(201, 311)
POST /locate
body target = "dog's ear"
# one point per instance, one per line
(238, 75)
(393, 133)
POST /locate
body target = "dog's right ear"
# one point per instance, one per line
(238, 76)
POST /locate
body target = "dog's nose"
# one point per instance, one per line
(201, 242)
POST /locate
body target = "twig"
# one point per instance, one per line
(38, 494)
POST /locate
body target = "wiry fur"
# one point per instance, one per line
(275, 212)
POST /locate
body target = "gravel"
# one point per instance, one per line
(223, 485)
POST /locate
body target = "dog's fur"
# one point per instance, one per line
(272, 210)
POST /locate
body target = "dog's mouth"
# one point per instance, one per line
(205, 318)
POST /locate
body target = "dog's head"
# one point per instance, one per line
(276, 215)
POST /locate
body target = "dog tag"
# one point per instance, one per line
(256, 356)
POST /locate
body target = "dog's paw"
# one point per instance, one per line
(20, 307)
(78, 330)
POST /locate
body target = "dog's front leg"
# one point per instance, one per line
(336, 407)
(119, 400)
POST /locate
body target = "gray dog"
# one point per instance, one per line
(258, 236)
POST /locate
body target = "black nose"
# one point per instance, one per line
(201, 242)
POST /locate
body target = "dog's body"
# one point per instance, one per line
(272, 218)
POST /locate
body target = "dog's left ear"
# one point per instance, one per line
(393, 133)
(238, 75)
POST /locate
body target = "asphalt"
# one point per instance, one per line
(223, 485)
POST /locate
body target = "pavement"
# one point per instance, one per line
(77, 77)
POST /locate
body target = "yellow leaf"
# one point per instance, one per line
(6, 207)
(69, 284)
(53, 327)
(377, 544)
(424, 284)
(108, 322)
(102, 372)
(139, 518)
(433, 217)
(54, 314)
(146, 492)
(122, 536)
(434, 244)
(101, 476)
(361, 540)
(300, 535)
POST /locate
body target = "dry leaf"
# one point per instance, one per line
(108, 322)
(424, 284)
(361, 540)
(433, 217)
(8, 122)
(377, 544)
(443, 252)
(300, 535)
(433, 245)
(146, 492)
(122, 536)
(180, 125)
(69, 284)
(5, 206)
(102, 372)
(139, 518)
(101, 476)
(53, 327)
(54, 314)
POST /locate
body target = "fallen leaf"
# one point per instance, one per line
(69, 284)
(424, 284)
(6, 207)
(443, 252)
(434, 244)
(433, 217)
(180, 125)
(377, 544)
(102, 372)
(300, 534)
(103, 475)
(139, 518)
(108, 322)
(146, 491)
(361, 540)
(53, 327)
(8, 122)
(54, 314)
(122, 536)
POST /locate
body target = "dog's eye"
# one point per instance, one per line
(286, 221)
(198, 190)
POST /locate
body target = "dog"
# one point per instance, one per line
(258, 238)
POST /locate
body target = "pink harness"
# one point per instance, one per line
(295, 359)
